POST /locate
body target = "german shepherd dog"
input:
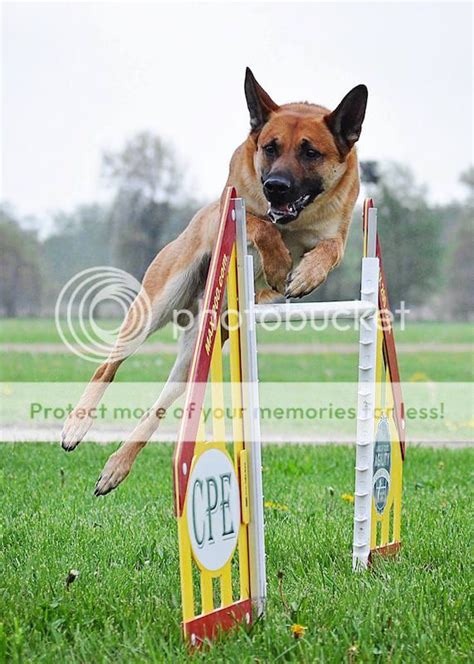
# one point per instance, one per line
(298, 173)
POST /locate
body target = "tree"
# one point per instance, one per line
(146, 164)
(21, 279)
(460, 271)
(150, 206)
(467, 178)
(80, 239)
(411, 237)
(411, 234)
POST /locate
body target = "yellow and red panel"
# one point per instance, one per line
(389, 438)
(211, 476)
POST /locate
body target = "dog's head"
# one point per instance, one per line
(300, 149)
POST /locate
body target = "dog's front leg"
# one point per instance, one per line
(314, 267)
(275, 257)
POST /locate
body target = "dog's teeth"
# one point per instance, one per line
(271, 214)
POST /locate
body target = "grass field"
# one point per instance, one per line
(64, 366)
(333, 367)
(124, 606)
(37, 330)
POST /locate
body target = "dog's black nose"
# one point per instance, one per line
(277, 185)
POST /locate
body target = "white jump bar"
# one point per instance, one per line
(308, 311)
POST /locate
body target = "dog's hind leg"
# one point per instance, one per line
(137, 326)
(174, 281)
(120, 462)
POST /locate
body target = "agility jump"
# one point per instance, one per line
(217, 475)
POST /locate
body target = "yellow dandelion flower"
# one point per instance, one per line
(348, 497)
(418, 377)
(298, 630)
(276, 506)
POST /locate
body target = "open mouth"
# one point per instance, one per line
(285, 212)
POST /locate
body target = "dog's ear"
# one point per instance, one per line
(345, 123)
(259, 103)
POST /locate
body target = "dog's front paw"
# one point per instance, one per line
(75, 428)
(276, 268)
(115, 471)
(302, 281)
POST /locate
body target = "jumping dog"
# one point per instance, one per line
(298, 173)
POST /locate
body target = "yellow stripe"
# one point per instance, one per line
(237, 423)
(244, 487)
(226, 585)
(397, 482)
(200, 445)
(217, 393)
(207, 596)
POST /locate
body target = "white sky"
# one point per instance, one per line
(78, 78)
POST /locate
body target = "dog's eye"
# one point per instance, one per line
(269, 150)
(311, 153)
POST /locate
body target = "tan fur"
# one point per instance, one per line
(296, 257)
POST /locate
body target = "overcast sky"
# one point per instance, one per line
(80, 78)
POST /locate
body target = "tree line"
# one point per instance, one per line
(427, 248)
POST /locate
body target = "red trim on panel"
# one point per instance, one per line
(388, 550)
(207, 626)
(391, 353)
(197, 380)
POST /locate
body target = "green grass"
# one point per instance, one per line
(43, 330)
(37, 330)
(125, 604)
(38, 367)
(414, 332)
(66, 367)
